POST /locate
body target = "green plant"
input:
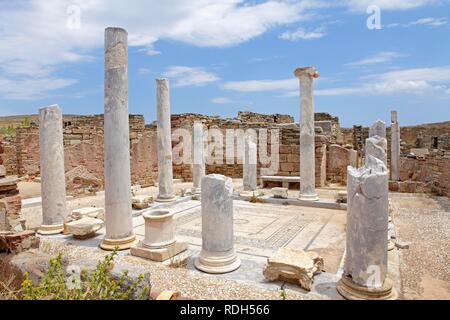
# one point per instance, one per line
(98, 284)
(283, 293)
(9, 130)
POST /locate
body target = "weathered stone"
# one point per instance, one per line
(2, 171)
(84, 228)
(341, 197)
(53, 184)
(402, 244)
(198, 170)
(19, 242)
(307, 134)
(395, 147)
(141, 202)
(365, 267)
(159, 243)
(290, 264)
(119, 227)
(280, 193)
(250, 164)
(378, 129)
(91, 212)
(80, 180)
(376, 146)
(164, 135)
(217, 254)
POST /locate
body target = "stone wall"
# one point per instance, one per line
(83, 147)
(338, 159)
(429, 173)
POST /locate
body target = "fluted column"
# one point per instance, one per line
(198, 168)
(118, 217)
(53, 182)
(395, 147)
(307, 135)
(165, 174)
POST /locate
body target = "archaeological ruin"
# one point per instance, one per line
(227, 208)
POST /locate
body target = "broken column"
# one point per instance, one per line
(395, 147)
(165, 174)
(217, 254)
(250, 165)
(119, 228)
(53, 181)
(365, 267)
(198, 170)
(378, 129)
(376, 146)
(307, 134)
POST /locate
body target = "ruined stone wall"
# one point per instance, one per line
(338, 159)
(289, 149)
(429, 173)
(83, 147)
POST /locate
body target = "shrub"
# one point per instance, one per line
(98, 284)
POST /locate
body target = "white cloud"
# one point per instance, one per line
(262, 85)
(362, 5)
(380, 57)
(221, 100)
(144, 71)
(183, 76)
(30, 89)
(434, 22)
(36, 40)
(414, 81)
(301, 33)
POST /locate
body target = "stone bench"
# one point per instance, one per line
(284, 180)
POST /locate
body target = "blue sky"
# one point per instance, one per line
(230, 55)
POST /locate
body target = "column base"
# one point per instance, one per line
(120, 244)
(165, 199)
(217, 262)
(196, 191)
(50, 229)
(158, 254)
(308, 197)
(352, 291)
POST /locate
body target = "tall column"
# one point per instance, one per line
(395, 147)
(118, 217)
(165, 174)
(53, 181)
(307, 135)
(250, 164)
(217, 255)
(198, 169)
(365, 267)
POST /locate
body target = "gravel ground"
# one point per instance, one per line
(189, 284)
(424, 221)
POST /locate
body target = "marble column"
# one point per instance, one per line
(217, 254)
(365, 266)
(378, 129)
(376, 146)
(395, 147)
(53, 180)
(118, 217)
(250, 164)
(307, 134)
(198, 168)
(165, 173)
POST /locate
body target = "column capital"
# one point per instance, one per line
(306, 71)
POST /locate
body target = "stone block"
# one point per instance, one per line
(84, 228)
(19, 241)
(2, 171)
(90, 212)
(141, 202)
(161, 254)
(290, 264)
(280, 193)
